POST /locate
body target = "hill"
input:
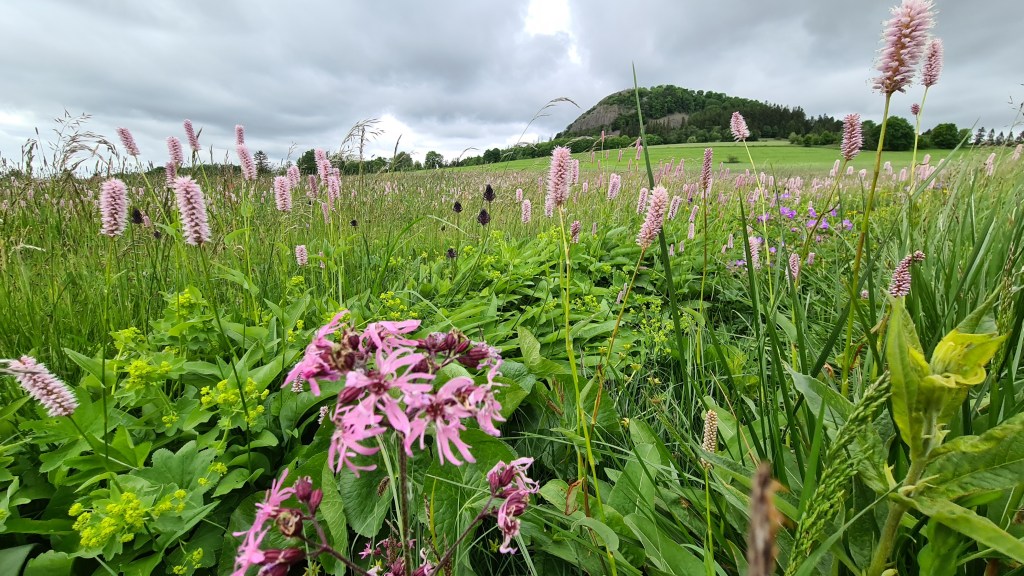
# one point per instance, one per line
(682, 115)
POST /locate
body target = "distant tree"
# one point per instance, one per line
(492, 155)
(869, 130)
(979, 136)
(991, 140)
(945, 136)
(433, 160)
(899, 134)
(1011, 139)
(1000, 139)
(965, 135)
(262, 162)
(307, 162)
(401, 162)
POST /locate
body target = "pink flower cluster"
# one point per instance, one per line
(738, 127)
(559, 176)
(853, 139)
(906, 34)
(113, 207)
(900, 284)
(656, 208)
(42, 385)
(289, 521)
(192, 206)
(509, 481)
(389, 385)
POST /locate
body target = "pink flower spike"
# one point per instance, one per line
(852, 137)
(559, 176)
(192, 206)
(655, 217)
(42, 385)
(128, 141)
(904, 42)
(932, 63)
(738, 127)
(113, 207)
(190, 134)
(174, 151)
(239, 135)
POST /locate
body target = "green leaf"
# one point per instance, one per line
(971, 464)
(143, 567)
(50, 563)
(537, 364)
(968, 523)
(12, 559)
(332, 511)
(940, 556)
(364, 509)
(818, 394)
(183, 468)
(907, 370)
(608, 536)
(667, 555)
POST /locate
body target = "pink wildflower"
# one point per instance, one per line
(282, 193)
(932, 63)
(705, 172)
(614, 184)
(190, 134)
(42, 385)
(559, 176)
(301, 255)
(245, 159)
(174, 151)
(641, 201)
(113, 207)
(852, 137)
(526, 209)
(316, 363)
(239, 135)
(738, 127)
(128, 141)
(192, 206)
(905, 36)
(574, 231)
(655, 217)
(323, 165)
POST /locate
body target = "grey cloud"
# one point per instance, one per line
(459, 73)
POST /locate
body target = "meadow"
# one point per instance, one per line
(678, 360)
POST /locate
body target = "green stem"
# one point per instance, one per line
(865, 227)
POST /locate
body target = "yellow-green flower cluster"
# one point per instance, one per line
(142, 373)
(293, 334)
(128, 339)
(120, 519)
(226, 398)
(191, 562)
(394, 308)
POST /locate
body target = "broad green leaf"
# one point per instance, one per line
(530, 347)
(332, 512)
(968, 523)
(183, 468)
(971, 464)
(667, 555)
(50, 563)
(817, 393)
(608, 536)
(364, 509)
(939, 557)
(907, 369)
(12, 559)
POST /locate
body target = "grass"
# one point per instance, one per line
(178, 354)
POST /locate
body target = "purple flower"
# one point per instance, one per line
(526, 208)
(42, 385)
(113, 207)
(301, 255)
(641, 201)
(354, 425)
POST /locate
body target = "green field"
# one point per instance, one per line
(777, 156)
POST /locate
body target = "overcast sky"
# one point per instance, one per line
(447, 75)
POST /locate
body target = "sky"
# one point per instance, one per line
(461, 76)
